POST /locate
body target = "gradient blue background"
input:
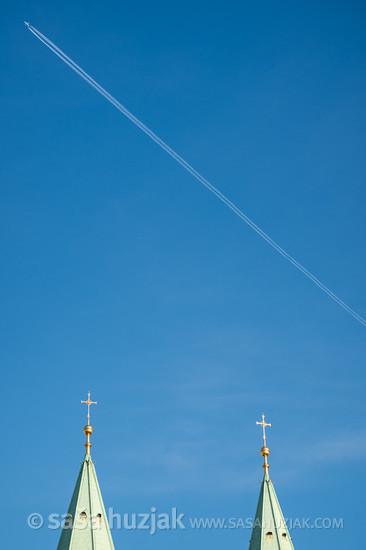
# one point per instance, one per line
(122, 275)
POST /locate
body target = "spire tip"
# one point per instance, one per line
(88, 430)
(265, 450)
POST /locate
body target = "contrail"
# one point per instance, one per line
(191, 170)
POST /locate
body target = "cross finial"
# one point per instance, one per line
(264, 425)
(88, 430)
(264, 450)
(88, 402)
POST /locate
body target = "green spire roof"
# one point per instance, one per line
(86, 525)
(269, 530)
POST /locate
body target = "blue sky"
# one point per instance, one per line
(122, 275)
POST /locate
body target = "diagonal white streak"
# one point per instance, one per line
(192, 171)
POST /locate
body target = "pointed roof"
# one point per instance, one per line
(269, 530)
(86, 525)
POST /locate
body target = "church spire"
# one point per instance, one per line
(269, 529)
(86, 525)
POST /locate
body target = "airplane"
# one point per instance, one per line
(27, 24)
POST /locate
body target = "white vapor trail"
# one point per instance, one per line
(191, 170)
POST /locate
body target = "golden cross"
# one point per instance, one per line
(264, 424)
(88, 402)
